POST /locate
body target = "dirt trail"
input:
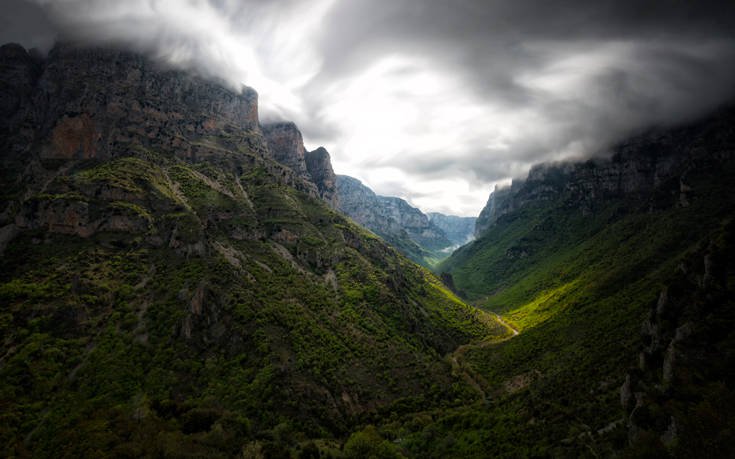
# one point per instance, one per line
(460, 369)
(507, 325)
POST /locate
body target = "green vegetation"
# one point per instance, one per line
(578, 287)
(240, 318)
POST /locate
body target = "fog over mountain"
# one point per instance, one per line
(429, 100)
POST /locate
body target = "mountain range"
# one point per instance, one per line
(425, 239)
(179, 279)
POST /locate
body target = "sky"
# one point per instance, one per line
(434, 101)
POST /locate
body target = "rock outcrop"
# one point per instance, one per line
(319, 166)
(660, 159)
(286, 145)
(126, 102)
(674, 399)
(499, 199)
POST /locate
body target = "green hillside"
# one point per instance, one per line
(210, 313)
(577, 286)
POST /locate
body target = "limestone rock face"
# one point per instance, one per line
(391, 218)
(19, 71)
(319, 166)
(659, 160)
(99, 104)
(497, 205)
(124, 102)
(286, 145)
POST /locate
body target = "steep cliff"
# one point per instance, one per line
(286, 145)
(634, 168)
(125, 102)
(403, 226)
(499, 199)
(319, 166)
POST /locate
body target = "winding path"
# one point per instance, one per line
(462, 370)
(507, 325)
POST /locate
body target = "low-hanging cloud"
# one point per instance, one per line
(431, 100)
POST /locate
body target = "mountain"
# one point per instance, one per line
(574, 257)
(286, 145)
(174, 283)
(459, 230)
(401, 225)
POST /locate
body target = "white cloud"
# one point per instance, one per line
(261, 44)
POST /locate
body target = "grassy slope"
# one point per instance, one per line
(578, 298)
(236, 318)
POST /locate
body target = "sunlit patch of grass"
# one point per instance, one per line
(545, 306)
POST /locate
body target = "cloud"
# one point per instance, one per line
(431, 100)
(264, 44)
(518, 83)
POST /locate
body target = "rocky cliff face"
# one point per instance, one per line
(661, 158)
(497, 204)
(319, 166)
(124, 105)
(391, 218)
(286, 146)
(123, 102)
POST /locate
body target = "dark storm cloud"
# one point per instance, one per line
(25, 22)
(679, 63)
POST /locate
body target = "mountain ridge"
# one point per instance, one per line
(637, 165)
(392, 218)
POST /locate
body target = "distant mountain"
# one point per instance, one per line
(459, 230)
(400, 224)
(174, 283)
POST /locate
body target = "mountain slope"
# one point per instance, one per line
(169, 289)
(401, 225)
(574, 257)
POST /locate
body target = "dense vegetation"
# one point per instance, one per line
(232, 315)
(211, 314)
(577, 286)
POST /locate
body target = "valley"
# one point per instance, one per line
(180, 279)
